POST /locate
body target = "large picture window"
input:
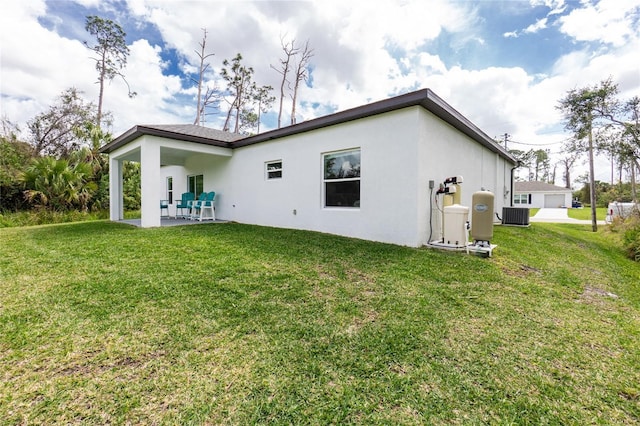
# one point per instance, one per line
(342, 179)
(195, 184)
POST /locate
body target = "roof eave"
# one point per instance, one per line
(137, 131)
(425, 98)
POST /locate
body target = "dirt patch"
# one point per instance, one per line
(521, 270)
(596, 295)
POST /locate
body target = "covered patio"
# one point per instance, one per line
(155, 147)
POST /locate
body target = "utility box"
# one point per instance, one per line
(455, 225)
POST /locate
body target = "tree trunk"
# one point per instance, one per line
(634, 193)
(293, 108)
(592, 183)
(101, 94)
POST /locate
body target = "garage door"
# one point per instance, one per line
(553, 200)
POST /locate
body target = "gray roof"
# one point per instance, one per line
(425, 98)
(183, 132)
(534, 186)
(197, 131)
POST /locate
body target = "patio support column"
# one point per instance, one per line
(116, 211)
(150, 183)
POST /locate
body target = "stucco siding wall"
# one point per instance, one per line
(445, 152)
(400, 152)
(179, 185)
(388, 199)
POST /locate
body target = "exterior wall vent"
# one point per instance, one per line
(515, 216)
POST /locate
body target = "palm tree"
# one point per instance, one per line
(58, 184)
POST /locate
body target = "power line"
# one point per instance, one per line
(539, 144)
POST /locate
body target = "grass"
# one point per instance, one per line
(585, 213)
(235, 324)
(43, 217)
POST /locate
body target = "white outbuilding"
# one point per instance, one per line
(369, 172)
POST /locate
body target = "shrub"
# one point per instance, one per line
(630, 230)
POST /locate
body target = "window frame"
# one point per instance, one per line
(334, 180)
(518, 199)
(193, 183)
(170, 189)
(277, 172)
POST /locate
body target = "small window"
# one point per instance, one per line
(170, 189)
(342, 179)
(521, 199)
(274, 169)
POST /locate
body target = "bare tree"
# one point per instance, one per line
(567, 162)
(300, 75)
(201, 70)
(289, 50)
(211, 98)
(112, 52)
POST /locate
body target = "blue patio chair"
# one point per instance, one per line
(164, 206)
(184, 204)
(204, 205)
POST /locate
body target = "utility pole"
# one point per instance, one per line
(506, 137)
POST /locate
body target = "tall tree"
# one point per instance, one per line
(582, 108)
(542, 165)
(289, 50)
(567, 162)
(240, 87)
(301, 74)
(625, 140)
(201, 70)
(525, 159)
(54, 132)
(112, 52)
(263, 100)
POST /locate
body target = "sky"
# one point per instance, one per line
(502, 64)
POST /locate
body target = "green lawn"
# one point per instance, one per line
(102, 323)
(585, 213)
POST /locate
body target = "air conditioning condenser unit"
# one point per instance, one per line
(515, 216)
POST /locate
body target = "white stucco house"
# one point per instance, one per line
(541, 195)
(365, 172)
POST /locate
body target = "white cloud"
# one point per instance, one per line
(556, 6)
(608, 21)
(37, 65)
(539, 25)
(157, 91)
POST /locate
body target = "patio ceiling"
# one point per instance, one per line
(172, 152)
